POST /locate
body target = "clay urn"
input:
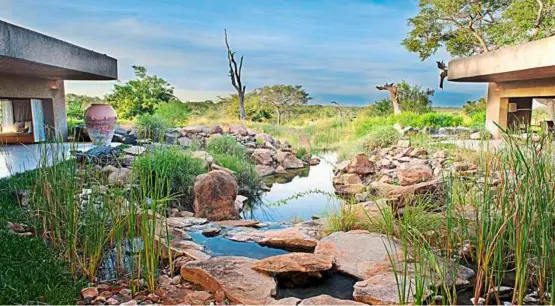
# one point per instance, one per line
(100, 120)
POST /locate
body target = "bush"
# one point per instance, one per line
(301, 152)
(478, 120)
(380, 137)
(226, 145)
(174, 113)
(152, 126)
(179, 168)
(438, 120)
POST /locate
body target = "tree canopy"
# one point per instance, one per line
(412, 98)
(77, 104)
(467, 27)
(141, 95)
(283, 98)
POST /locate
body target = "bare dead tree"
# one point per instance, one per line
(392, 88)
(235, 75)
(444, 72)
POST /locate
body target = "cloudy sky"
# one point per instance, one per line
(338, 50)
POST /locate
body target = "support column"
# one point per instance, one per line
(496, 111)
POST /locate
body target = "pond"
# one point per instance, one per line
(288, 186)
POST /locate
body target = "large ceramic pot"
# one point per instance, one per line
(100, 120)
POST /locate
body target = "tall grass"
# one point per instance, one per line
(83, 217)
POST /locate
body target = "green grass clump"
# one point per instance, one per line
(380, 137)
(226, 145)
(152, 126)
(179, 168)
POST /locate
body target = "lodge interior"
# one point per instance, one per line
(523, 113)
(25, 120)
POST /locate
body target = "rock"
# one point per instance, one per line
(264, 170)
(245, 234)
(238, 130)
(324, 299)
(234, 276)
(288, 160)
(403, 143)
(280, 170)
(418, 153)
(441, 155)
(385, 163)
(350, 189)
(262, 137)
(204, 156)
(287, 301)
(409, 131)
(480, 135)
(262, 157)
(183, 222)
(463, 166)
(412, 173)
(404, 194)
(89, 293)
(197, 298)
(215, 194)
(357, 253)
(235, 223)
(211, 231)
(360, 164)
(16, 227)
(380, 289)
(134, 150)
(195, 129)
(314, 161)
(216, 130)
(347, 179)
(112, 301)
(184, 141)
(120, 177)
(240, 202)
(342, 166)
(301, 237)
(294, 262)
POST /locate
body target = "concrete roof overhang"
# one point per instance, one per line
(532, 60)
(25, 52)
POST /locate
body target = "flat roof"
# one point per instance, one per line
(26, 52)
(528, 61)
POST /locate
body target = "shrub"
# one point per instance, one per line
(174, 113)
(380, 137)
(478, 120)
(226, 145)
(301, 152)
(179, 168)
(438, 120)
(152, 126)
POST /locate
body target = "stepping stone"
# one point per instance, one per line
(327, 300)
(235, 223)
(301, 237)
(294, 262)
(234, 276)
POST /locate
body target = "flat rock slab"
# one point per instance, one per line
(181, 222)
(357, 253)
(294, 262)
(245, 234)
(380, 289)
(234, 276)
(235, 223)
(327, 300)
(134, 150)
(301, 237)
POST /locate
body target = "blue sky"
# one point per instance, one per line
(338, 50)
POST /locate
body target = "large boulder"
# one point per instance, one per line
(347, 179)
(288, 160)
(234, 276)
(263, 170)
(349, 190)
(262, 157)
(413, 173)
(194, 129)
(357, 253)
(360, 164)
(294, 262)
(215, 194)
(381, 289)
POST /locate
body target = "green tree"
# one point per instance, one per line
(255, 109)
(467, 27)
(283, 98)
(380, 108)
(414, 98)
(77, 104)
(473, 107)
(141, 95)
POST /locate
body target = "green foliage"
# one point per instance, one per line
(301, 152)
(431, 119)
(438, 120)
(412, 98)
(141, 95)
(380, 108)
(472, 107)
(225, 145)
(179, 168)
(152, 126)
(283, 98)
(77, 104)
(254, 108)
(174, 112)
(478, 120)
(380, 137)
(468, 27)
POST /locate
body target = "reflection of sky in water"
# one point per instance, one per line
(319, 177)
